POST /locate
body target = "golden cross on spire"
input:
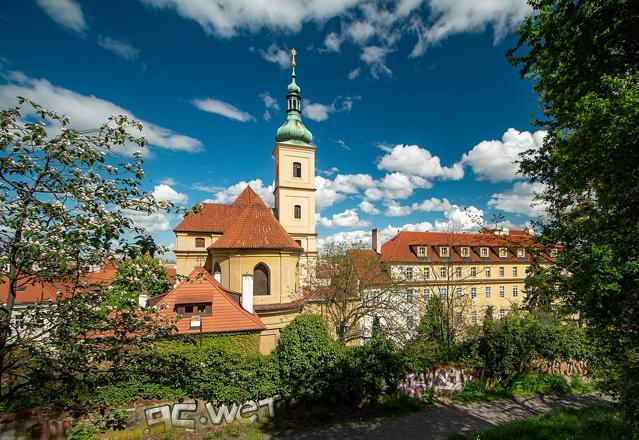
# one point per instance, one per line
(293, 53)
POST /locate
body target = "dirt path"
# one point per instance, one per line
(446, 419)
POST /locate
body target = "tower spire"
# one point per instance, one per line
(293, 129)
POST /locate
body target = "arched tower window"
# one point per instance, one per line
(217, 272)
(261, 281)
(297, 169)
(297, 211)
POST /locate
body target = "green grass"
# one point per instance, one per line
(593, 423)
(527, 385)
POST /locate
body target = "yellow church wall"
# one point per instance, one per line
(274, 322)
(187, 255)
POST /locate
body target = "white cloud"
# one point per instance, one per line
(165, 192)
(352, 183)
(229, 194)
(368, 208)
(87, 112)
(360, 31)
(520, 199)
(278, 56)
(168, 181)
(461, 16)
(67, 13)
(393, 209)
(325, 194)
(346, 237)
(222, 108)
(156, 222)
(118, 47)
(332, 42)
(413, 160)
(375, 57)
(354, 73)
(396, 186)
(315, 111)
(459, 219)
(269, 103)
(347, 219)
(495, 160)
(227, 18)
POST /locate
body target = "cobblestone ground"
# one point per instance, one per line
(447, 418)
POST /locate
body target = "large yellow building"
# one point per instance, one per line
(262, 254)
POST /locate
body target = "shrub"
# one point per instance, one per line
(306, 359)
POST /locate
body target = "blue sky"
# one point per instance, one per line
(415, 112)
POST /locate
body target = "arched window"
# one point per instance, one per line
(297, 211)
(297, 169)
(199, 242)
(261, 282)
(217, 272)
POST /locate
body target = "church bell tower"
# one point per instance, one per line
(294, 157)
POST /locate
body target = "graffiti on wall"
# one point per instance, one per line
(203, 414)
(442, 380)
(145, 419)
(565, 368)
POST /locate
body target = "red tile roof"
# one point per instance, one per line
(200, 287)
(247, 223)
(401, 248)
(255, 227)
(30, 293)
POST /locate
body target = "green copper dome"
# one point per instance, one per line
(293, 129)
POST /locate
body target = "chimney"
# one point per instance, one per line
(530, 231)
(247, 292)
(376, 241)
(505, 230)
(143, 299)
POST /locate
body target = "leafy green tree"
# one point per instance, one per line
(582, 56)
(141, 274)
(66, 198)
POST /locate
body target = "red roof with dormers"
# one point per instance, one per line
(245, 224)
(403, 247)
(227, 313)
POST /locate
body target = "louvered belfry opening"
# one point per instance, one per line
(261, 280)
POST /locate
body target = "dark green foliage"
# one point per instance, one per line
(593, 423)
(583, 57)
(141, 274)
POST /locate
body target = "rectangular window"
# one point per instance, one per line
(484, 252)
(473, 272)
(421, 251)
(473, 317)
(458, 272)
(409, 273)
(473, 292)
(443, 272)
(410, 322)
(502, 272)
(426, 273)
(465, 252)
(502, 291)
(458, 293)
(444, 252)
(487, 292)
(199, 242)
(514, 271)
(521, 253)
(410, 296)
(515, 291)
(297, 212)
(443, 292)
(502, 313)
(553, 253)
(503, 252)
(487, 272)
(427, 294)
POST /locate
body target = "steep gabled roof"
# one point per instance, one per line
(255, 228)
(200, 287)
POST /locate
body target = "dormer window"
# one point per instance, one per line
(421, 251)
(483, 252)
(297, 169)
(444, 252)
(553, 253)
(521, 253)
(190, 309)
(465, 252)
(503, 252)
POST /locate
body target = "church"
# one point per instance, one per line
(253, 255)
